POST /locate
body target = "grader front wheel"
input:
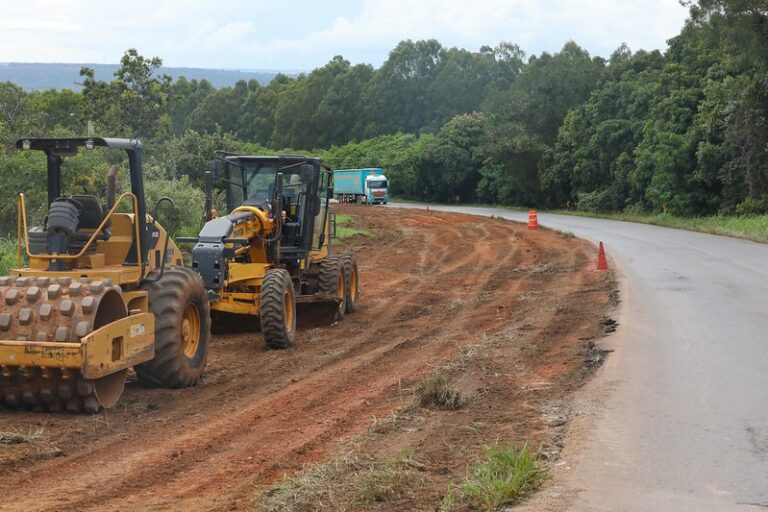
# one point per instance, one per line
(277, 309)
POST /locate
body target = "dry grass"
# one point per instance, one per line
(342, 482)
(20, 436)
(540, 268)
(437, 391)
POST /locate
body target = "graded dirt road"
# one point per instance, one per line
(677, 418)
(435, 287)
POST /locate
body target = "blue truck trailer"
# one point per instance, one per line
(367, 186)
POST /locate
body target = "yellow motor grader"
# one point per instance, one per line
(272, 252)
(99, 289)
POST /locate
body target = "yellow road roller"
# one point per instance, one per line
(100, 287)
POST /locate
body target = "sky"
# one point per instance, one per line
(302, 34)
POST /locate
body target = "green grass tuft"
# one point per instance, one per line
(343, 219)
(503, 477)
(345, 227)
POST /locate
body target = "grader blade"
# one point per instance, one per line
(316, 310)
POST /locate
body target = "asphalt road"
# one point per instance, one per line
(683, 424)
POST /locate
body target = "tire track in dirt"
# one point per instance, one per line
(352, 416)
(432, 286)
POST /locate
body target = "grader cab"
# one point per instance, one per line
(100, 288)
(273, 251)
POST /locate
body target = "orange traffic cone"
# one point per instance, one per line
(602, 262)
(533, 221)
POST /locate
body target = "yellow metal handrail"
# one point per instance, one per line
(23, 224)
(18, 230)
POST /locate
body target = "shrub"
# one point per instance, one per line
(504, 476)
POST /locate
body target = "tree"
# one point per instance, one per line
(523, 121)
(15, 120)
(593, 161)
(184, 98)
(460, 85)
(220, 110)
(448, 165)
(397, 97)
(134, 103)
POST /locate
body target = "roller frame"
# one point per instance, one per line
(107, 350)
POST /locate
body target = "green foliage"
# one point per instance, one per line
(8, 255)
(189, 155)
(21, 172)
(524, 123)
(134, 104)
(503, 477)
(345, 228)
(683, 132)
(188, 201)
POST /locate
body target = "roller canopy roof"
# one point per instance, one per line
(70, 144)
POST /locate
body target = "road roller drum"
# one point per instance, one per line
(60, 310)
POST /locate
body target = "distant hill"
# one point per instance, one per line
(38, 76)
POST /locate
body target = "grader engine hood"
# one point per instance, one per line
(210, 255)
(220, 238)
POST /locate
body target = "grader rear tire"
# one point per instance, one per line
(352, 285)
(332, 282)
(182, 330)
(277, 309)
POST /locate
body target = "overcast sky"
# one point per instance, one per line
(304, 34)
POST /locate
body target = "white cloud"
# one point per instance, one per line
(599, 25)
(302, 34)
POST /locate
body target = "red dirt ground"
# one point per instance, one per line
(434, 285)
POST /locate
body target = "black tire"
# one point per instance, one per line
(332, 282)
(177, 300)
(277, 309)
(352, 283)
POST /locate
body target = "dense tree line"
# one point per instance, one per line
(684, 131)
